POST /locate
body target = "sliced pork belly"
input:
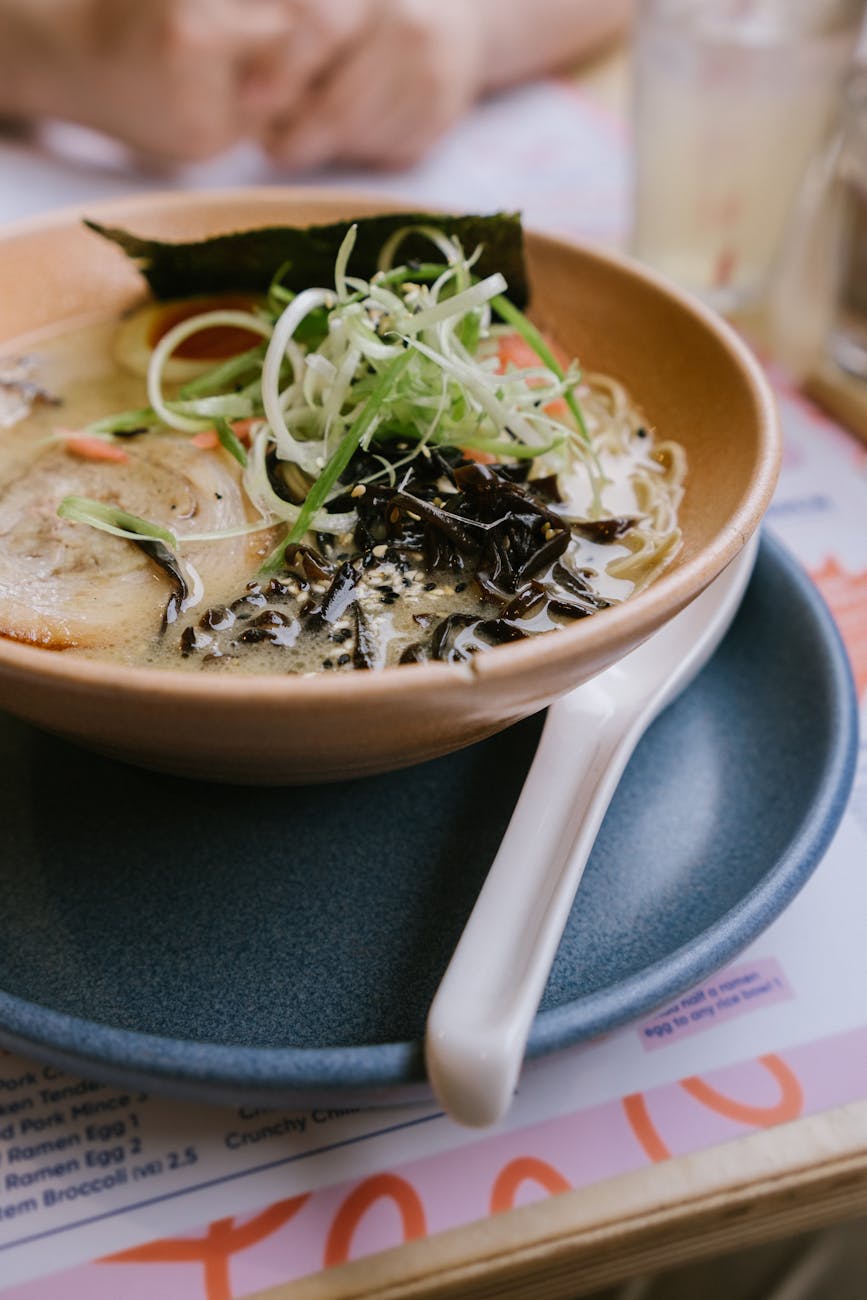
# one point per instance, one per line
(65, 584)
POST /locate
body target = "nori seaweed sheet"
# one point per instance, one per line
(249, 259)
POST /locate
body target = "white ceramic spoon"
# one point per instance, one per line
(481, 1015)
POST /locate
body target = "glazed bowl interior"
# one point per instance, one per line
(694, 380)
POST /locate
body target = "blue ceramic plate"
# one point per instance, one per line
(283, 945)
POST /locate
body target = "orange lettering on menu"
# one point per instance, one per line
(789, 1106)
(223, 1239)
(644, 1128)
(358, 1202)
(522, 1170)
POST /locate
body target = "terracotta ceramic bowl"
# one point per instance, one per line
(694, 379)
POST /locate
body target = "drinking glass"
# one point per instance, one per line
(732, 98)
(848, 339)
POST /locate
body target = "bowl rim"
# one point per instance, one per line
(671, 590)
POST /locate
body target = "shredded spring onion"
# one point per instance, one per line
(111, 519)
(392, 358)
(172, 340)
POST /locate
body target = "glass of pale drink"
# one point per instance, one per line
(732, 98)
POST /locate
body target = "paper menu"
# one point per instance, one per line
(300, 1233)
(87, 1170)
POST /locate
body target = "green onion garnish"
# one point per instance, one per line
(111, 519)
(512, 315)
(230, 441)
(349, 444)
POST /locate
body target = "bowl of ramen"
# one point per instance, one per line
(297, 486)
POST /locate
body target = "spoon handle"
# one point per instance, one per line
(481, 1015)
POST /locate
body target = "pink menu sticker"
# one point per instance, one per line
(732, 992)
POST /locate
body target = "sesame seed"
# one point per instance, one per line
(358, 491)
(380, 551)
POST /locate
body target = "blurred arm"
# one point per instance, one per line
(418, 65)
(525, 38)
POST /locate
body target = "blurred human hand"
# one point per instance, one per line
(316, 81)
(412, 70)
(175, 79)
